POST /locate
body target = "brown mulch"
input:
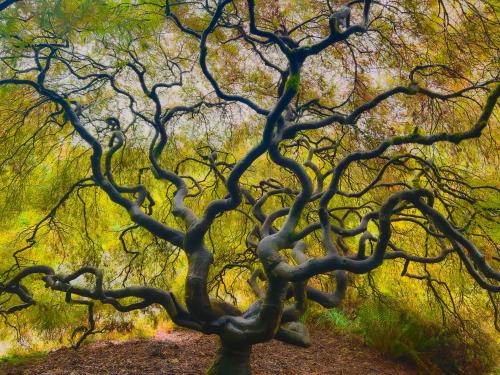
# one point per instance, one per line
(186, 352)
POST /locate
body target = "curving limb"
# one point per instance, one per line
(62, 283)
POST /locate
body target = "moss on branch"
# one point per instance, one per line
(293, 82)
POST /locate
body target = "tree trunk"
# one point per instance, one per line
(231, 360)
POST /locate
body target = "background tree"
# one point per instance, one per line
(329, 137)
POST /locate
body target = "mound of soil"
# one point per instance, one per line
(185, 352)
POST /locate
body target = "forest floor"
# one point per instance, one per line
(185, 352)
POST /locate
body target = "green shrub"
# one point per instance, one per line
(335, 318)
(455, 348)
(396, 334)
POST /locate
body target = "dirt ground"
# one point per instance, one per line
(186, 352)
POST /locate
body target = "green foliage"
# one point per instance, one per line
(397, 334)
(19, 359)
(85, 230)
(402, 334)
(334, 318)
(293, 82)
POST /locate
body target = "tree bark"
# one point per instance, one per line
(231, 360)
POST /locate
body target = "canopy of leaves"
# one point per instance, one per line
(193, 87)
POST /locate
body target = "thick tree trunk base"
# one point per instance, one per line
(231, 361)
